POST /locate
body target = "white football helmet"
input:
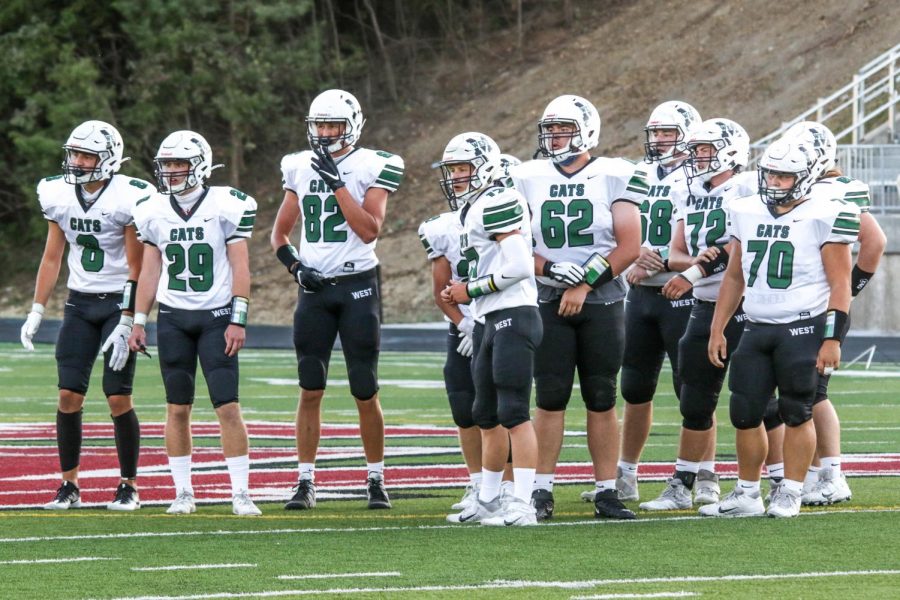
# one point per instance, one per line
(676, 115)
(187, 146)
(788, 157)
(507, 161)
(335, 106)
(94, 137)
(731, 144)
(569, 110)
(820, 138)
(478, 150)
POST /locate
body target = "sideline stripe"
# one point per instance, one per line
(47, 561)
(336, 575)
(653, 595)
(223, 532)
(187, 567)
(500, 584)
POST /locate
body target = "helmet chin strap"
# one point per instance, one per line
(568, 161)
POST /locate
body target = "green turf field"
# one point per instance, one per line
(341, 550)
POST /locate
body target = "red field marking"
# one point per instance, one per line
(28, 473)
(47, 431)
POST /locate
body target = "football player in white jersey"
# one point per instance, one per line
(89, 208)
(339, 191)
(587, 230)
(440, 236)
(496, 243)
(196, 265)
(790, 259)
(825, 483)
(719, 150)
(653, 323)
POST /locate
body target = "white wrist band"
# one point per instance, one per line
(38, 308)
(140, 319)
(693, 274)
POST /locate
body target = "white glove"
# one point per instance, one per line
(467, 326)
(567, 272)
(32, 323)
(465, 345)
(118, 339)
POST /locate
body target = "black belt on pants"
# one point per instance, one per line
(101, 296)
(349, 277)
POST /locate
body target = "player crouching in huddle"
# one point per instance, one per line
(496, 242)
(197, 265)
(790, 258)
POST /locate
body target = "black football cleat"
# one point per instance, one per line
(378, 496)
(543, 504)
(608, 506)
(304, 496)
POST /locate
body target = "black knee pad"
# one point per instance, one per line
(795, 410)
(179, 388)
(312, 373)
(772, 418)
(637, 386)
(599, 392)
(697, 408)
(73, 380)
(742, 412)
(119, 383)
(552, 393)
(461, 408)
(363, 381)
(512, 406)
(223, 386)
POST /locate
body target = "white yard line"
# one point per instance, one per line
(337, 575)
(50, 561)
(239, 532)
(496, 585)
(190, 567)
(653, 595)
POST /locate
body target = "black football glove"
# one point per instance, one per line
(309, 279)
(324, 165)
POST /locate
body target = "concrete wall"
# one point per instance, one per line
(876, 310)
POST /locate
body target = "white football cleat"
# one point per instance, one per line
(243, 506)
(675, 496)
(507, 493)
(784, 504)
(183, 504)
(626, 486)
(470, 495)
(477, 511)
(517, 514)
(706, 487)
(829, 489)
(736, 504)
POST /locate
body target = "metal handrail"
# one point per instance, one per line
(859, 92)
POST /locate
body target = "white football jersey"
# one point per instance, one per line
(95, 233)
(705, 216)
(571, 214)
(326, 241)
(659, 214)
(781, 255)
(842, 188)
(440, 236)
(196, 274)
(497, 210)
